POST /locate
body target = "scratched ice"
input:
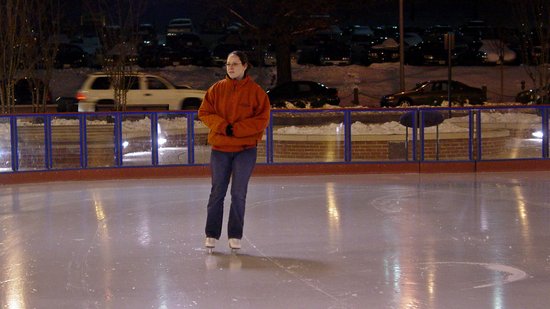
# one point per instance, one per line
(347, 241)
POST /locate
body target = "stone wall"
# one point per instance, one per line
(445, 146)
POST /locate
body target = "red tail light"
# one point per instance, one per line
(80, 96)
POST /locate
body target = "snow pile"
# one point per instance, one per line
(454, 124)
(359, 128)
(130, 125)
(510, 118)
(290, 105)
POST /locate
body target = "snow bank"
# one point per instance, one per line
(359, 128)
(393, 127)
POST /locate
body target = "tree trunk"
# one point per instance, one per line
(284, 70)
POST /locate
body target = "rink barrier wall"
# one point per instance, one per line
(81, 152)
(278, 170)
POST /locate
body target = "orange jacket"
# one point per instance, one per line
(241, 103)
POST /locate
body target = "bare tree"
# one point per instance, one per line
(27, 30)
(13, 27)
(534, 17)
(500, 46)
(280, 22)
(46, 17)
(119, 42)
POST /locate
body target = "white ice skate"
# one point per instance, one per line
(234, 244)
(210, 243)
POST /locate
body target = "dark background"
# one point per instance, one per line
(378, 12)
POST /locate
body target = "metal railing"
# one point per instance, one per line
(60, 141)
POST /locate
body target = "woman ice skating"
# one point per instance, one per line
(236, 110)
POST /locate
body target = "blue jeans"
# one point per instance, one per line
(226, 166)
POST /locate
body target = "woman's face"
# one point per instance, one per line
(235, 68)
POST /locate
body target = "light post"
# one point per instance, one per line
(449, 41)
(401, 48)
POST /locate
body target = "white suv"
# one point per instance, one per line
(146, 91)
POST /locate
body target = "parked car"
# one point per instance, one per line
(361, 40)
(385, 51)
(157, 56)
(330, 53)
(268, 54)
(427, 53)
(178, 26)
(434, 93)
(334, 54)
(144, 90)
(121, 53)
(71, 56)
(303, 94)
(534, 96)
(66, 104)
(220, 52)
(360, 33)
(432, 51)
(412, 39)
(189, 49)
(147, 34)
(307, 55)
(470, 54)
(332, 33)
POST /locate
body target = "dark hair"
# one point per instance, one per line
(243, 57)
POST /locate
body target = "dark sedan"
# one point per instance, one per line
(71, 56)
(157, 56)
(434, 93)
(303, 94)
(535, 96)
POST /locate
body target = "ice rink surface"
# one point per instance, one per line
(347, 241)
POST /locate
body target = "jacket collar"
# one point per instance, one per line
(238, 83)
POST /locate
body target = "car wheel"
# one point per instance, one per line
(458, 102)
(405, 102)
(304, 103)
(191, 104)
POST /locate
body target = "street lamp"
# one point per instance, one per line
(401, 47)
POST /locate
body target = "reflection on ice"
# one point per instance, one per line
(338, 241)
